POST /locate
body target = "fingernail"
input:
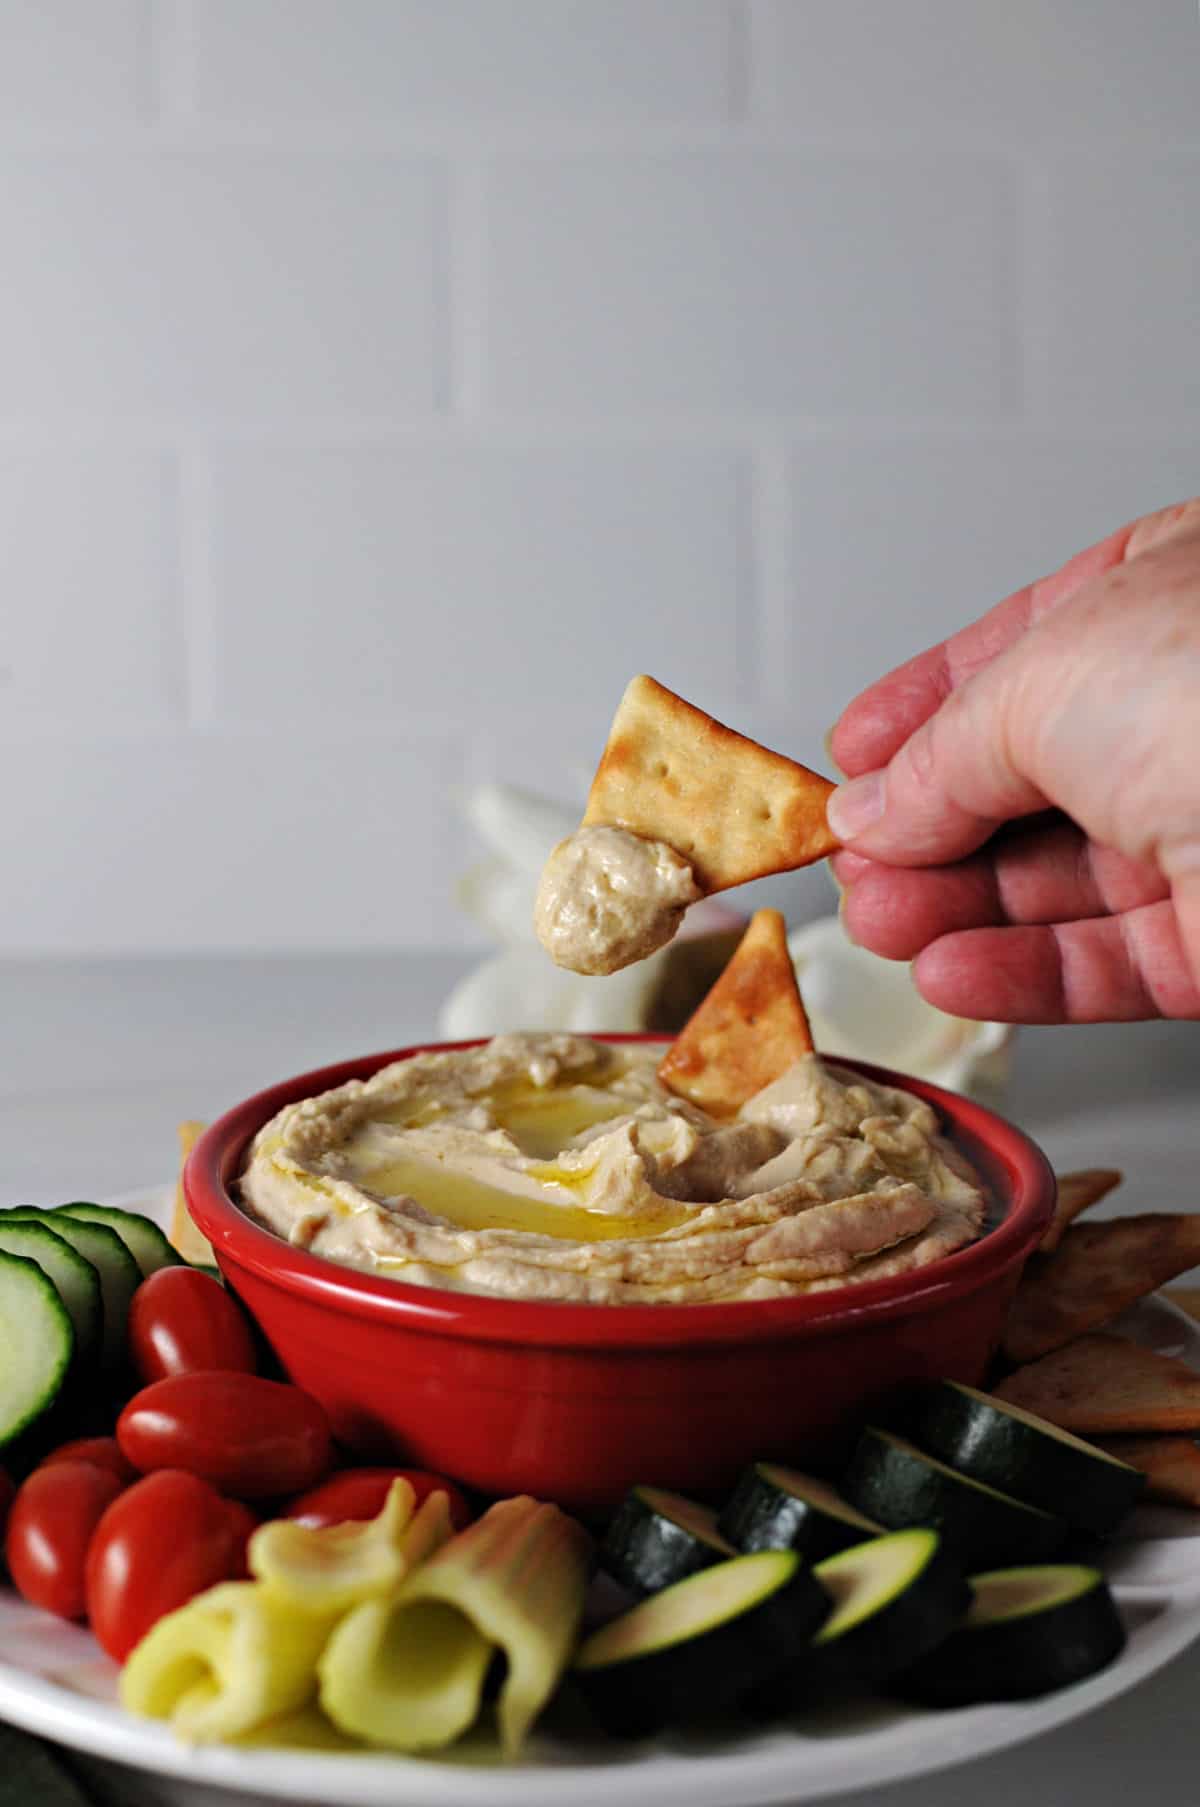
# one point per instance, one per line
(854, 807)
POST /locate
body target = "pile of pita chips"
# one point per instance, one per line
(1097, 1271)
(1108, 1384)
(748, 1030)
(1088, 1380)
(1077, 1192)
(734, 810)
(1171, 1465)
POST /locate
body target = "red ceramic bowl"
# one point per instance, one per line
(576, 1403)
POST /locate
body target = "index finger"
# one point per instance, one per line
(878, 722)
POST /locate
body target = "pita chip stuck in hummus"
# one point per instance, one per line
(748, 1030)
(680, 807)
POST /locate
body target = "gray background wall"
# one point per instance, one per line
(382, 382)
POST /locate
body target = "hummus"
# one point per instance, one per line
(553, 1167)
(608, 897)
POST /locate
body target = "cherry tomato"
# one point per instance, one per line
(250, 1437)
(161, 1542)
(8, 1489)
(359, 1493)
(182, 1322)
(50, 1527)
(101, 1452)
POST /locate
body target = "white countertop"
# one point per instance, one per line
(101, 1059)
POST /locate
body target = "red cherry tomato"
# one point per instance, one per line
(359, 1493)
(182, 1322)
(50, 1527)
(101, 1452)
(249, 1437)
(161, 1542)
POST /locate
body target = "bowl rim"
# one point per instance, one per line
(480, 1317)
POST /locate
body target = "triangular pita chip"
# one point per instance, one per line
(734, 810)
(1106, 1383)
(1097, 1270)
(748, 1030)
(1171, 1465)
(1077, 1192)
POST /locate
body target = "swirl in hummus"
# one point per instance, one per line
(549, 1166)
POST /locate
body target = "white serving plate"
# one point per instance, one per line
(54, 1681)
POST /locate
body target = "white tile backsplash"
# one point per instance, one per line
(1124, 287)
(480, 585)
(75, 61)
(755, 282)
(383, 382)
(1021, 71)
(383, 60)
(185, 286)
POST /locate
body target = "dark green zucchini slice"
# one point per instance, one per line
(140, 1234)
(1007, 1447)
(698, 1648)
(658, 1538)
(1027, 1632)
(774, 1508)
(891, 1480)
(894, 1598)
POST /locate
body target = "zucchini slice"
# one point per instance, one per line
(140, 1234)
(700, 1647)
(894, 1598)
(74, 1279)
(658, 1538)
(1027, 1632)
(1007, 1447)
(116, 1268)
(892, 1480)
(774, 1508)
(37, 1344)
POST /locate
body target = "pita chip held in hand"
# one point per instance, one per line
(680, 807)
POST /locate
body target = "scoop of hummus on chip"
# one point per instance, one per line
(733, 1164)
(681, 807)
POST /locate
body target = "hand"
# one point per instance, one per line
(1025, 821)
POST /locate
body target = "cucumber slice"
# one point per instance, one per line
(776, 1508)
(74, 1279)
(658, 1538)
(116, 1268)
(1028, 1631)
(140, 1234)
(699, 1647)
(891, 1480)
(37, 1344)
(1008, 1447)
(894, 1598)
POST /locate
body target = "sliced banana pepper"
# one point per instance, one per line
(331, 1568)
(407, 1672)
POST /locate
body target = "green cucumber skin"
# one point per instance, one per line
(646, 1552)
(147, 1244)
(992, 1447)
(708, 1675)
(1018, 1659)
(37, 1289)
(761, 1516)
(897, 1489)
(119, 1273)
